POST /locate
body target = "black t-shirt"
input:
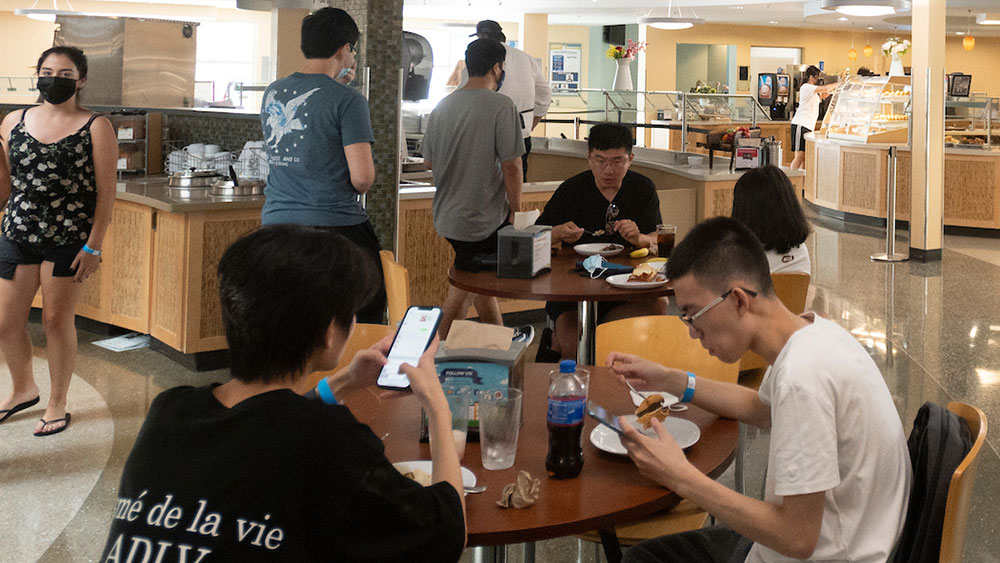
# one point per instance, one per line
(277, 477)
(579, 200)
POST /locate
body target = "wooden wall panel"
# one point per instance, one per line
(860, 180)
(169, 283)
(131, 269)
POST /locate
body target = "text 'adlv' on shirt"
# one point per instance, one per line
(469, 134)
(276, 477)
(307, 120)
(834, 428)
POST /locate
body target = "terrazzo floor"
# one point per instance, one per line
(933, 329)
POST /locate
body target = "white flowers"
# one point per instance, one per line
(895, 47)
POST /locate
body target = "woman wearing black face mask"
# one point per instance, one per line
(57, 178)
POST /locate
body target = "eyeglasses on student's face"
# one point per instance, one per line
(353, 48)
(689, 319)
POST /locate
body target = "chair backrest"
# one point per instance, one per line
(792, 289)
(956, 512)
(664, 340)
(397, 287)
(364, 336)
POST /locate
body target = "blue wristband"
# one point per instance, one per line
(689, 392)
(325, 393)
(91, 251)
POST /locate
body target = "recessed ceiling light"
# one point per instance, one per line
(870, 28)
(988, 19)
(866, 8)
(772, 21)
(736, 7)
(959, 33)
(842, 18)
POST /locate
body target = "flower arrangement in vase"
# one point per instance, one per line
(895, 47)
(627, 51)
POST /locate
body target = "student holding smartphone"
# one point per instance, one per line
(251, 471)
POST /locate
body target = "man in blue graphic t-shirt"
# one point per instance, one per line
(318, 136)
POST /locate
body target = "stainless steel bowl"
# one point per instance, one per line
(193, 179)
(188, 193)
(246, 187)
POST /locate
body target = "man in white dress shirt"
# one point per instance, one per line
(525, 83)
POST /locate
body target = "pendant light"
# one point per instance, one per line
(969, 42)
(671, 22)
(43, 14)
(852, 55)
(868, 46)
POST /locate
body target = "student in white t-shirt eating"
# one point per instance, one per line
(806, 116)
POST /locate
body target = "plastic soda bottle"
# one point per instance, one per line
(567, 401)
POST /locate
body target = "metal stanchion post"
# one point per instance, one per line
(576, 128)
(890, 217)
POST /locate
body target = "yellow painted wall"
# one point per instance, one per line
(23, 40)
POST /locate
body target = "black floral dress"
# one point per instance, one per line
(53, 188)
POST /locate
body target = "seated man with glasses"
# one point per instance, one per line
(608, 203)
(838, 474)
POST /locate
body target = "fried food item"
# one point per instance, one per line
(651, 408)
(420, 476)
(643, 273)
(610, 248)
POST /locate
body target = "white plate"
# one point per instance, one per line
(639, 397)
(598, 248)
(685, 432)
(468, 477)
(621, 280)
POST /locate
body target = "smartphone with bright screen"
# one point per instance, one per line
(413, 337)
(602, 416)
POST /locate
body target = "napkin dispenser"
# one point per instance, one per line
(523, 253)
(479, 369)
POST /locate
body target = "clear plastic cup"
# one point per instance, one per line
(499, 422)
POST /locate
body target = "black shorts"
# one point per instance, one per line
(799, 138)
(467, 254)
(13, 254)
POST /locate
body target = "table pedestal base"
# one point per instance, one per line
(587, 311)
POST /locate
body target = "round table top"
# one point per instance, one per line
(557, 284)
(609, 490)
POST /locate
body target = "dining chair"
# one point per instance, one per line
(665, 340)
(792, 289)
(397, 287)
(956, 513)
(364, 336)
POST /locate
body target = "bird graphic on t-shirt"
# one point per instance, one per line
(281, 118)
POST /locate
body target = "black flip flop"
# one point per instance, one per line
(57, 430)
(7, 413)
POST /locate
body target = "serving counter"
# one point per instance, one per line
(850, 178)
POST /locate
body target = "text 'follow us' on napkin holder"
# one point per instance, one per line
(524, 249)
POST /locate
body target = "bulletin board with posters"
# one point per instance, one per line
(565, 62)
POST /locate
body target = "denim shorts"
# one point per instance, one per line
(14, 253)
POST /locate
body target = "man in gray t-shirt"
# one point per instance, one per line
(474, 141)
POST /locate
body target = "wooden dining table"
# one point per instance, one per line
(608, 491)
(561, 283)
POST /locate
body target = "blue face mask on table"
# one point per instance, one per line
(595, 265)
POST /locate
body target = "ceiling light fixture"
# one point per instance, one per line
(671, 22)
(969, 42)
(988, 19)
(868, 45)
(866, 8)
(44, 14)
(842, 18)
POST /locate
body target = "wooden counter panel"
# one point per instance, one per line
(828, 174)
(863, 176)
(217, 237)
(550, 167)
(903, 185)
(169, 284)
(131, 269)
(966, 202)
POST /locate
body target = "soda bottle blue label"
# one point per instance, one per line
(566, 411)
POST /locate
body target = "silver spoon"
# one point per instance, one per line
(474, 490)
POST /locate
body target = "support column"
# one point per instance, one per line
(379, 49)
(286, 42)
(927, 173)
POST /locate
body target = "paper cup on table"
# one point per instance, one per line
(499, 422)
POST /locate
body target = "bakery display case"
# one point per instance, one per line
(700, 108)
(968, 121)
(870, 110)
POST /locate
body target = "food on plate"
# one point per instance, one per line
(610, 248)
(420, 476)
(950, 139)
(651, 407)
(643, 273)
(973, 141)
(639, 253)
